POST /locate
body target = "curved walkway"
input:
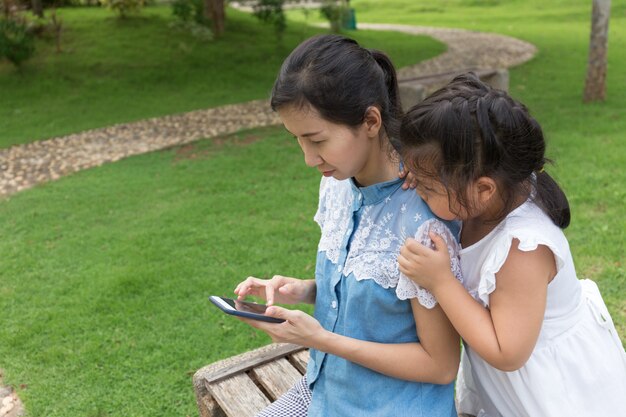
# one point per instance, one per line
(25, 166)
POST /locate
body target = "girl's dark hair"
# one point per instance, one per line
(467, 130)
(340, 79)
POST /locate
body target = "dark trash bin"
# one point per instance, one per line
(349, 19)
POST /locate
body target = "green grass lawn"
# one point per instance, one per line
(114, 71)
(104, 275)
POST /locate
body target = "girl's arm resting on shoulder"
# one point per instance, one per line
(504, 334)
(434, 360)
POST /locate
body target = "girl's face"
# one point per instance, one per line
(480, 198)
(443, 205)
(335, 150)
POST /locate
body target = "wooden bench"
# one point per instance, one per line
(415, 89)
(243, 385)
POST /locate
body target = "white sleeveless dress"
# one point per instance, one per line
(578, 367)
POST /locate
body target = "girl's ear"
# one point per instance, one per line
(484, 190)
(373, 121)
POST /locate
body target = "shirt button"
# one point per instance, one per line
(333, 304)
(339, 268)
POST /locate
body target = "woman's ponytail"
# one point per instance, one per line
(394, 109)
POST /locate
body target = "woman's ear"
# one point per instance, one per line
(373, 121)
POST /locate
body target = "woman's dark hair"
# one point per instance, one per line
(339, 79)
(467, 130)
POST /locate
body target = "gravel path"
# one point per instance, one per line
(24, 166)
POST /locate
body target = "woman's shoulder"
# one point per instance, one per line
(416, 214)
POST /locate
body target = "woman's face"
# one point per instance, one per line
(335, 150)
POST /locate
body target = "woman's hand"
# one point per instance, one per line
(425, 266)
(410, 180)
(279, 289)
(299, 327)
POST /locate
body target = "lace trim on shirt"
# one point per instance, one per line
(333, 216)
(369, 253)
(375, 245)
(407, 288)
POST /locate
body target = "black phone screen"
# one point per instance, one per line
(246, 306)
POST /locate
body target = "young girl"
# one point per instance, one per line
(538, 342)
(379, 346)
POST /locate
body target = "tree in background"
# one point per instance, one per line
(37, 6)
(215, 11)
(595, 84)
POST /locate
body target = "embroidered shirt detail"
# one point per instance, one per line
(376, 243)
(333, 217)
(407, 288)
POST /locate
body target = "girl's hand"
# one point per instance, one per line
(300, 328)
(425, 266)
(279, 289)
(410, 180)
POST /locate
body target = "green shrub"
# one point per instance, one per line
(271, 11)
(124, 7)
(335, 12)
(190, 11)
(17, 43)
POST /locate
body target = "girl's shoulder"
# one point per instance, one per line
(530, 227)
(530, 222)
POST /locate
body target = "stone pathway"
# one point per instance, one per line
(466, 49)
(24, 166)
(10, 404)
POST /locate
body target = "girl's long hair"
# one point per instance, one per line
(467, 130)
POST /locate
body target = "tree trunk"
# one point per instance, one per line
(37, 8)
(214, 10)
(595, 84)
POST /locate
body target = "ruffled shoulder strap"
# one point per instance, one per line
(531, 227)
(408, 289)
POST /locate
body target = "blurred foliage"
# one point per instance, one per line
(17, 41)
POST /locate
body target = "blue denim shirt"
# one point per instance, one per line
(357, 280)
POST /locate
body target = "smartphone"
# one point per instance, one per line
(243, 308)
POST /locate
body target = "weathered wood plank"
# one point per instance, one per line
(276, 377)
(210, 408)
(300, 360)
(244, 362)
(238, 396)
